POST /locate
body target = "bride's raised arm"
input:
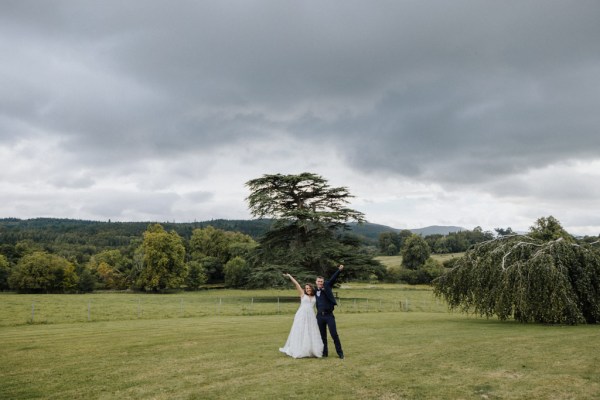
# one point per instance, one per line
(298, 287)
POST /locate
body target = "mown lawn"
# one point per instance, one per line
(389, 355)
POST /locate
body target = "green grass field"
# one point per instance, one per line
(153, 347)
(396, 261)
(21, 309)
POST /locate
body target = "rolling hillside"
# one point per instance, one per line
(111, 234)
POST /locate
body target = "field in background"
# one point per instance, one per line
(396, 261)
(21, 309)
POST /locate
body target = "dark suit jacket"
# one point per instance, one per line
(329, 298)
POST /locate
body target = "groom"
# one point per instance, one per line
(325, 304)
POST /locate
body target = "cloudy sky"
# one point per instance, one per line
(468, 113)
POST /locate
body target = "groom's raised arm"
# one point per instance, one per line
(334, 277)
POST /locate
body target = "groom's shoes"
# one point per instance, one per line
(341, 356)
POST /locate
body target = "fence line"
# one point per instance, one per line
(97, 308)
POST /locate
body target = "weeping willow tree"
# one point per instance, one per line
(544, 277)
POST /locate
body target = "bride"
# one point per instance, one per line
(304, 339)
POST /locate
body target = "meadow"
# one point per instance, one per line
(400, 343)
(22, 309)
(396, 261)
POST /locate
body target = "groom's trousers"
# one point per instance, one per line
(326, 319)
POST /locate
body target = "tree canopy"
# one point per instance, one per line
(415, 252)
(40, 272)
(4, 272)
(543, 277)
(306, 237)
(303, 199)
(163, 255)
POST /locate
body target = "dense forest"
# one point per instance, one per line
(53, 233)
(80, 239)
(66, 255)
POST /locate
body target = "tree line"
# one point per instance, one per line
(159, 260)
(302, 227)
(162, 259)
(391, 243)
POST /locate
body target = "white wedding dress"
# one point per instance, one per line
(304, 339)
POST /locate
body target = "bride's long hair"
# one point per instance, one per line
(312, 289)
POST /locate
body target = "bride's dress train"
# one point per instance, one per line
(304, 339)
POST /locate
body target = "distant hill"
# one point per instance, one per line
(50, 228)
(437, 230)
(109, 234)
(372, 231)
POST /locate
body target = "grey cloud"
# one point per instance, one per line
(557, 186)
(142, 205)
(489, 85)
(456, 93)
(439, 134)
(72, 181)
(200, 196)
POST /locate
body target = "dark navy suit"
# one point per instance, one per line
(325, 318)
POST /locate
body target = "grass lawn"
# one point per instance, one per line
(389, 355)
(396, 261)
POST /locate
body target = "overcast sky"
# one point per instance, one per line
(467, 113)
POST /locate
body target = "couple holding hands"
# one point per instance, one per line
(308, 336)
